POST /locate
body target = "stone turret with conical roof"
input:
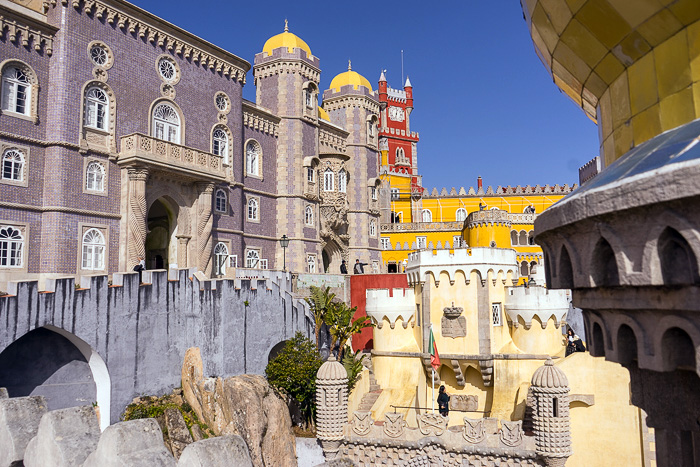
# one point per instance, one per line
(550, 396)
(331, 405)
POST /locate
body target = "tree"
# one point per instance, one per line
(320, 302)
(338, 317)
(293, 372)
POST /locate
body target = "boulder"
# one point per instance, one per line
(64, 439)
(19, 422)
(223, 451)
(342, 462)
(136, 443)
(178, 433)
(242, 405)
(4, 394)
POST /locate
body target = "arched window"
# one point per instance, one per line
(426, 215)
(514, 237)
(394, 193)
(311, 263)
(342, 181)
(252, 209)
(166, 123)
(372, 228)
(220, 200)
(96, 109)
(16, 91)
(13, 165)
(252, 258)
(11, 247)
(524, 268)
(93, 250)
(461, 215)
(309, 216)
(328, 176)
(220, 258)
(94, 177)
(531, 237)
(523, 237)
(252, 158)
(220, 143)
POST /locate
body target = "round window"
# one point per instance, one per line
(221, 102)
(98, 55)
(167, 69)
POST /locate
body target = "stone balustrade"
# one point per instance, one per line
(150, 151)
(422, 226)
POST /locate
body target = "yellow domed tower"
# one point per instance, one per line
(490, 228)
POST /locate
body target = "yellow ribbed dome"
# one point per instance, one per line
(350, 77)
(286, 39)
(323, 115)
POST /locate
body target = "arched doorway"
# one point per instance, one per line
(332, 257)
(161, 251)
(56, 364)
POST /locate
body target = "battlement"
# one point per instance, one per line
(502, 190)
(500, 262)
(383, 304)
(536, 301)
(392, 131)
(589, 170)
(397, 95)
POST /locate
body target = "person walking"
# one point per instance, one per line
(343, 268)
(443, 401)
(359, 267)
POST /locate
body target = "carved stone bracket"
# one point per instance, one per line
(486, 367)
(458, 372)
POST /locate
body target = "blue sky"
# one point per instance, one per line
(484, 103)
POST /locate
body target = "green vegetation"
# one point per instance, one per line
(353, 365)
(155, 407)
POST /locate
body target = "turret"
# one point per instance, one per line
(408, 88)
(331, 406)
(382, 91)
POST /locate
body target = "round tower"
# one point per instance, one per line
(488, 228)
(550, 397)
(331, 405)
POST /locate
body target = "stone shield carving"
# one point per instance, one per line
(432, 424)
(454, 327)
(511, 433)
(394, 424)
(362, 423)
(464, 403)
(474, 430)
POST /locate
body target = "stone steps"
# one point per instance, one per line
(372, 395)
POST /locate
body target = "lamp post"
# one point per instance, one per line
(284, 243)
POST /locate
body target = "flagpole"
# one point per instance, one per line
(433, 390)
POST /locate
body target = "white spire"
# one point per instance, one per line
(382, 77)
(408, 83)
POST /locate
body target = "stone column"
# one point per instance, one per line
(182, 241)
(205, 222)
(137, 227)
(331, 406)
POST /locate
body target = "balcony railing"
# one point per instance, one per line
(423, 226)
(148, 150)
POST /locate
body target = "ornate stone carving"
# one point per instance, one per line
(137, 214)
(466, 403)
(474, 430)
(24, 33)
(511, 433)
(362, 423)
(452, 312)
(453, 327)
(394, 424)
(331, 405)
(432, 424)
(205, 222)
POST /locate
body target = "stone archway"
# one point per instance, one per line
(161, 244)
(332, 257)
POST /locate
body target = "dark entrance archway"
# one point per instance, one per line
(332, 257)
(161, 221)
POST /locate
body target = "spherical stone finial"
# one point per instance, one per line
(549, 376)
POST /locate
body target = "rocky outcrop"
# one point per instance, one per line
(65, 438)
(223, 451)
(178, 434)
(242, 405)
(137, 443)
(19, 422)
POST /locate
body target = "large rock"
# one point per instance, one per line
(223, 451)
(178, 433)
(19, 422)
(137, 443)
(65, 438)
(242, 405)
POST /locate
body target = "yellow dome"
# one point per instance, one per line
(350, 77)
(286, 39)
(323, 115)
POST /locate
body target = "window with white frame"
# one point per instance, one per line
(11, 247)
(96, 109)
(394, 193)
(496, 314)
(220, 143)
(220, 258)
(94, 177)
(328, 177)
(421, 242)
(263, 264)
(233, 261)
(373, 193)
(253, 209)
(309, 215)
(342, 181)
(252, 158)
(13, 165)
(426, 216)
(16, 91)
(310, 174)
(220, 200)
(457, 241)
(93, 250)
(372, 228)
(166, 123)
(309, 98)
(311, 263)
(460, 215)
(252, 259)
(385, 243)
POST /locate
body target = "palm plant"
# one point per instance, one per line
(320, 302)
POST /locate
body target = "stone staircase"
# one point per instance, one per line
(372, 395)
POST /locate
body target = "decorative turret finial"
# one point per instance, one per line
(286, 25)
(349, 65)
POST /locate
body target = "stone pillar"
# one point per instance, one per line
(550, 393)
(182, 241)
(331, 406)
(137, 228)
(204, 225)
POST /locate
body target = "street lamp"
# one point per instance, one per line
(284, 243)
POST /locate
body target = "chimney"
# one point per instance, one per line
(479, 183)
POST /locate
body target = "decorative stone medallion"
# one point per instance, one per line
(432, 424)
(362, 423)
(511, 433)
(474, 430)
(394, 424)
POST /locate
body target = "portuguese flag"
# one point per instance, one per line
(434, 356)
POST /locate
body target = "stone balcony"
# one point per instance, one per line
(140, 149)
(423, 227)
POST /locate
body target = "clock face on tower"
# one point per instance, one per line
(396, 114)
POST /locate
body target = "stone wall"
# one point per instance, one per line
(133, 338)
